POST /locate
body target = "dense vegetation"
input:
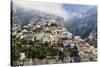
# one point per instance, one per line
(32, 49)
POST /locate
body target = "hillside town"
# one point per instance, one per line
(51, 39)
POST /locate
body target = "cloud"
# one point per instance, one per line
(51, 8)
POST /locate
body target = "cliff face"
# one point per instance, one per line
(82, 24)
(92, 38)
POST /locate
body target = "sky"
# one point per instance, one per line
(59, 9)
(51, 8)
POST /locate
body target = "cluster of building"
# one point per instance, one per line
(58, 36)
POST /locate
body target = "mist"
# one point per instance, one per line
(50, 8)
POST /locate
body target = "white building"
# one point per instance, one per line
(27, 36)
(22, 56)
(46, 37)
(39, 36)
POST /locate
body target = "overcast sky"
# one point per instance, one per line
(51, 8)
(66, 11)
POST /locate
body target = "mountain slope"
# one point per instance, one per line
(23, 16)
(84, 24)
